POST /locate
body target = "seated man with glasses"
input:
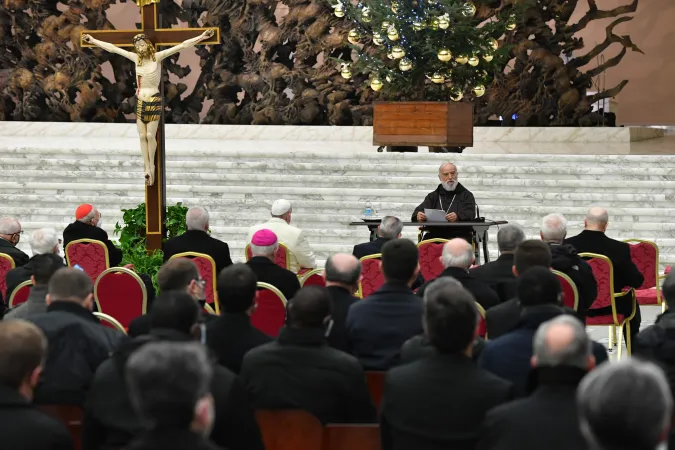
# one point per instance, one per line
(10, 235)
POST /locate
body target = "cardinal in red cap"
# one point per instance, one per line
(88, 225)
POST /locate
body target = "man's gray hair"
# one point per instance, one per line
(462, 260)
(89, 217)
(197, 218)
(440, 283)
(264, 250)
(574, 354)
(390, 227)
(554, 228)
(335, 275)
(440, 168)
(597, 215)
(9, 225)
(509, 237)
(43, 241)
(625, 404)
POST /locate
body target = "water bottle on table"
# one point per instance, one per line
(368, 211)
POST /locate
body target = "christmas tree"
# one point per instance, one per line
(425, 49)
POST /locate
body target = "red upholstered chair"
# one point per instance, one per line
(110, 322)
(70, 416)
(375, 381)
(482, 324)
(282, 258)
(645, 255)
(603, 271)
(6, 264)
(339, 436)
(569, 290)
(289, 430)
(120, 293)
(371, 275)
(430, 258)
(208, 310)
(89, 254)
(207, 270)
(313, 278)
(270, 313)
(20, 294)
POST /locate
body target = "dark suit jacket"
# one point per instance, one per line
(18, 275)
(23, 427)
(268, 272)
(625, 271)
(342, 300)
(498, 275)
(438, 403)
(19, 257)
(78, 230)
(377, 328)
(502, 318)
(200, 242)
(480, 291)
(231, 336)
(369, 248)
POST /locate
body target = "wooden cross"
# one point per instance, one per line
(155, 195)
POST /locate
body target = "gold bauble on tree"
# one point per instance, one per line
(461, 59)
(378, 39)
(339, 10)
(376, 84)
(434, 24)
(473, 61)
(365, 15)
(488, 57)
(494, 43)
(511, 23)
(417, 26)
(397, 52)
(469, 9)
(394, 7)
(479, 90)
(390, 55)
(405, 65)
(436, 78)
(456, 95)
(392, 34)
(444, 55)
(353, 36)
(443, 22)
(385, 25)
(346, 71)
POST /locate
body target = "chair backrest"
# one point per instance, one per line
(371, 275)
(70, 416)
(92, 256)
(569, 290)
(645, 255)
(351, 437)
(313, 278)
(110, 322)
(289, 430)
(430, 258)
(20, 294)
(603, 271)
(6, 264)
(281, 259)
(208, 310)
(207, 270)
(270, 313)
(375, 381)
(120, 293)
(482, 324)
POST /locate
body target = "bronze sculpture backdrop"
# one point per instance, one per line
(287, 78)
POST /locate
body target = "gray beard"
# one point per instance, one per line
(449, 187)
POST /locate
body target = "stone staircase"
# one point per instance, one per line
(43, 180)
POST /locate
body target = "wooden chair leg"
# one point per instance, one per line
(620, 343)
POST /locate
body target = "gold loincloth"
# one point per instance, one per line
(149, 111)
(142, 3)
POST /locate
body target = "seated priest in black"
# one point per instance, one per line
(88, 225)
(454, 199)
(390, 228)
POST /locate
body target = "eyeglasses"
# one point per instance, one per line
(201, 282)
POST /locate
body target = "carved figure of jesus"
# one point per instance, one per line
(148, 76)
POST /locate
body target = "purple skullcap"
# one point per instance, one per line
(264, 238)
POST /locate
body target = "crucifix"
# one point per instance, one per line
(147, 57)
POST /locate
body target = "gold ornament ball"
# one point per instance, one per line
(365, 15)
(473, 61)
(417, 26)
(405, 65)
(390, 55)
(376, 84)
(456, 95)
(461, 59)
(511, 23)
(392, 34)
(385, 25)
(397, 52)
(444, 55)
(353, 36)
(479, 90)
(434, 24)
(494, 44)
(488, 57)
(346, 73)
(469, 9)
(394, 7)
(378, 39)
(339, 11)
(437, 78)
(443, 23)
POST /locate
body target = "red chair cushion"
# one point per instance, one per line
(372, 277)
(280, 258)
(601, 270)
(646, 297)
(90, 256)
(430, 260)
(604, 320)
(206, 272)
(270, 313)
(646, 257)
(482, 327)
(5, 266)
(120, 295)
(21, 296)
(315, 280)
(567, 291)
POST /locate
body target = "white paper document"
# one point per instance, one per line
(435, 215)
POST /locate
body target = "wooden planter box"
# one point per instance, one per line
(436, 124)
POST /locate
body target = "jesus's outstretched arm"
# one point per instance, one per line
(183, 45)
(110, 47)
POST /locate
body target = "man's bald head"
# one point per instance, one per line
(343, 270)
(563, 342)
(457, 253)
(596, 219)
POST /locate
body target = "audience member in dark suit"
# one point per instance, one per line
(547, 419)
(231, 335)
(264, 247)
(42, 241)
(457, 257)
(498, 274)
(197, 239)
(594, 240)
(88, 225)
(10, 235)
(566, 260)
(377, 328)
(505, 317)
(390, 228)
(177, 410)
(439, 402)
(78, 343)
(509, 356)
(625, 405)
(300, 370)
(109, 418)
(342, 276)
(43, 267)
(22, 427)
(179, 274)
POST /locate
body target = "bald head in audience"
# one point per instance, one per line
(563, 342)
(343, 270)
(596, 219)
(457, 253)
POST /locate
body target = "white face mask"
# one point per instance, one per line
(450, 185)
(99, 224)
